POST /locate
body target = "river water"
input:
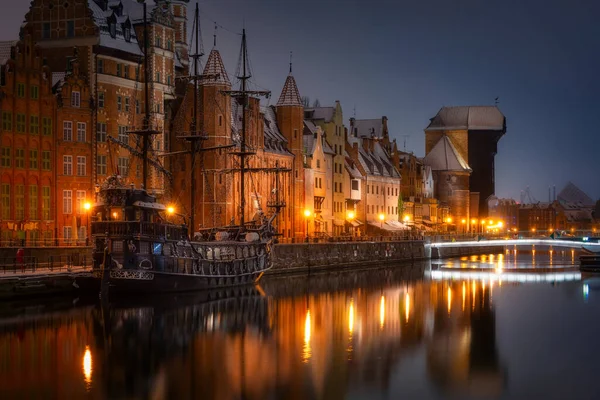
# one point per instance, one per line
(511, 325)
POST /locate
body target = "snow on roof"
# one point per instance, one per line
(118, 42)
(369, 127)
(5, 49)
(290, 96)
(572, 194)
(58, 77)
(445, 157)
(274, 140)
(468, 117)
(215, 70)
(324, 113)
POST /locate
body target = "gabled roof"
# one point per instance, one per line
(572, 194)
(290, 96)
(324, 113)
(445, 157)
(118, 42)
(468, 117)
(364, 127)
(215, 70)
(5, 48)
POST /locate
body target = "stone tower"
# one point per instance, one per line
(216, 196)
(179, 10)
(290, 119)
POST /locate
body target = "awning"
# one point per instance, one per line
(154, 206)
(393, 226)
(354, 222)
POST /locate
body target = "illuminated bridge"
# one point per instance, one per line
(459, 248)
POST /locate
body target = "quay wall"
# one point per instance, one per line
(75, 255)
(308, 257)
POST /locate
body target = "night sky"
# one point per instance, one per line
(406, 59)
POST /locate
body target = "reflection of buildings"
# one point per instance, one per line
(313, 338)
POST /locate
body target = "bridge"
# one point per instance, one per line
(548, 242)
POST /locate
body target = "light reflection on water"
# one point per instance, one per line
(380, 333)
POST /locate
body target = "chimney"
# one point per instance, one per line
(365, 143)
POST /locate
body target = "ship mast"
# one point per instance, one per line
(242, 99)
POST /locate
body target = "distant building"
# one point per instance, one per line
(474, 132)
(538, 217)
(505, 210)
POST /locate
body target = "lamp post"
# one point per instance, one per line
(381, 218)
(87, 207)
(350, 217)
(464, 224)
(307, 216)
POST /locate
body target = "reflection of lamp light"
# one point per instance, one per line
(382, 312)
(306, 352)
(449, 299)
(87, 365)
(351, 317)
(407, 305)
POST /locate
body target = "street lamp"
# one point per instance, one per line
(87, 206)
(464, 222)
(307, 216)
(381, 218)
(350, 217)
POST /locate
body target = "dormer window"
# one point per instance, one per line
(127, 34)
(113, 29)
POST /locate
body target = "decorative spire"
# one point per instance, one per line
(215, 36)
(290, 62)
(215, 70)
(290, 96)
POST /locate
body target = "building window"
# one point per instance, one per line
(81, 131)
(157, 41)
(112, 29)
(67, 165)
(123, 135)
(20, 90)
(19, 158)
(79, 201)
(125, 71)
(46, 160)
(81, 166)
(318, 163)
(158, 108)
(34, 124)
(35, 92)
(126, 104)
(67, 201)
(46, 30)
(100, 66)
(75, 99)
(67, 130)
(46, 202)
(21, 123)
(46, 126)
(123, 166)
(6, 121)
(119, 69)
(137, 106)
(5, 201)
(67, 230)
(169, 80)
(101, 100)
(169, 45)
(33, 159)
(101, 165)
(101, 132)
(295, 133)
(127, 34)
(70, 28)
(19, 202)
(33, 202)
(119, 103)
(158, 76)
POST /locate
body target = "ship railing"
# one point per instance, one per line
(122, 228)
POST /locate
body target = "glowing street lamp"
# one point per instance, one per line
(406, 218)
(307, 214)
(381, 218)
(350, 215)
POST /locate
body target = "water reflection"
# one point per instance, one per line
(339, 335)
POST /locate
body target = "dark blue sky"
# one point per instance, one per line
(406, 59)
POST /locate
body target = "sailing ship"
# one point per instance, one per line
(137, 248)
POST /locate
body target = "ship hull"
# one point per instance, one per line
(142, 281)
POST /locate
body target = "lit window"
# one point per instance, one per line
(67, 201)
(67, 165)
